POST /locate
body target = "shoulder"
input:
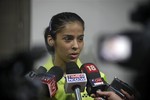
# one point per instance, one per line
(48, 63)
(103, 76)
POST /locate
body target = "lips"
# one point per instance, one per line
(74, 55)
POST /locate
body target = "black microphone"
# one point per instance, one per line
(118, 84)
(75, 80)
(49, 80)
(96, 82)
(41, 70)
(33, 74)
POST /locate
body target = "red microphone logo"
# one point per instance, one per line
(91, 68)
(50, 80)
(52, 87)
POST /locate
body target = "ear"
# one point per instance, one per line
(50, 40)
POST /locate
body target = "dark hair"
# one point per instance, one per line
(57, 23)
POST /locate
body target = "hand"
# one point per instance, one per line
(127, 95)
(108, 94)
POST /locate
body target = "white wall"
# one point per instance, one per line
(100, 16)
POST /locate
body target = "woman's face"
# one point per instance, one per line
(69, 42)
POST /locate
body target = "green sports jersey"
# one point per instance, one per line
(60, 94)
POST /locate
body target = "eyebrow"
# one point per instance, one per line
(72, 35)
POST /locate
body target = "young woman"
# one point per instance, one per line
(64, 39)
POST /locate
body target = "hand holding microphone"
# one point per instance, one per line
(126, 90)
(99, 88)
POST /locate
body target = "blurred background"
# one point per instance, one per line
(23, 23)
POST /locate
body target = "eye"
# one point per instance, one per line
(80, 38)
(68, 38)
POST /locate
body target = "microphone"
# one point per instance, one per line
(49, 80)
(118, 84)
(41, 70)
(96, 82)
(33, 74)
(75, 80)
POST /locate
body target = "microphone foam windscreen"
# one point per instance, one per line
(72, 67)
(41, 70)
(57, 71)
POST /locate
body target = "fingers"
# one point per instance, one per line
(109, 95)
(93, 95)
(124, 92)
(106, 94)
(97, 96)
(103, 95)
(127, 95)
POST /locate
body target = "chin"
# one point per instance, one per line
(73, 60)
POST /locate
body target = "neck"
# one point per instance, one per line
(59, 63)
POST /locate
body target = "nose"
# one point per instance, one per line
(75, 45)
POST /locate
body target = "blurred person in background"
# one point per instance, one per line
(13, 84)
